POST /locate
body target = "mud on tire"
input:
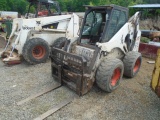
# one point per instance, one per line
(132, 63)
(36, 50)
(109, 74)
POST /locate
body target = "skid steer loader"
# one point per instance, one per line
(107, 48)
(32, 38)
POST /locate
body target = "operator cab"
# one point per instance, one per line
(101, 23)
(43, 8)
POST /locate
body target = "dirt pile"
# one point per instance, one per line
(150, 24)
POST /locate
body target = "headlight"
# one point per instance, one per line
(1, 18)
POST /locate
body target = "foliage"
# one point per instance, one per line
(3, 5)
(69, 5)
(13, 5)
(145, 40)
(77, 5)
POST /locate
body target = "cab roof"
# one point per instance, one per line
(147, 6)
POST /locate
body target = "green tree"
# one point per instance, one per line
(3, 5)
(13, 5)
(151, 1)
(70, 5)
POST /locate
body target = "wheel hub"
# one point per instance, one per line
(137, 65)
(38, 52)
(116, 76)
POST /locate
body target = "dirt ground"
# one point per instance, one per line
(132, 100)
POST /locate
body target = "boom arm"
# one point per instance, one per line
(119, 40)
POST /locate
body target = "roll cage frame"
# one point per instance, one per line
(106, 22)
(46, 3)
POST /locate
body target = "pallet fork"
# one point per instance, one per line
(75, 72)
(54, 108)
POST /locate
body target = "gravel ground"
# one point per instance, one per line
(133, 100)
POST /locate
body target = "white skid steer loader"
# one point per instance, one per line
(106, 49)
(31, 38)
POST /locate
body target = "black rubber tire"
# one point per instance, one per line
(30, 45)
(59, 43)
(105, 74)
(130, 60)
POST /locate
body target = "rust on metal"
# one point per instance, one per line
(10, 59)
(150, 34)
(148, 50)
(155, 34)
(73, 70)
(10, 63)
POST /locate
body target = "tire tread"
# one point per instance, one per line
(104, 73)
(129, 61)
(27, 47)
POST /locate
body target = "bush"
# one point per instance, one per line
(145, 40)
